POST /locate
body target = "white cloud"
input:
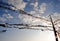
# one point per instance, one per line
(32, 12)
(56, 16)
(8, 16)
(34, 4)
(25, 18)
(30, 20)
(38, 10)
(22, 5)
(2, 19)
(42, 8)
(35, 8)
(19, 4)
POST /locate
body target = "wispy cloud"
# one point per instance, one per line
(32, 12)
(56, 16)
(8, 16)
(2, 19)
(31, 20)
(34, 4)
(19, 4)
(38, 9)
(25, 18)
(42, 8)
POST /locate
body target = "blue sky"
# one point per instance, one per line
(34, 7)
(38, 8)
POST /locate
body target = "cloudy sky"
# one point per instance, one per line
(38, 8)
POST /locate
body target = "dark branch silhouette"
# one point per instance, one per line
(6, 4)
(26, 26)
(6, 7)
(3, 31)
(5, 25)
(56, 21)
(23, 12)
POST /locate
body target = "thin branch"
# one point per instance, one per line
(6, 4)
(4, 25)
(56, 21)
(23, 12)
(6, 7)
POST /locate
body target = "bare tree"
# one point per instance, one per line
(27, 26)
